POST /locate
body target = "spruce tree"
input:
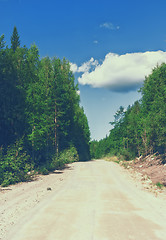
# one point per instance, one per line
(15, 39)
(2, 42)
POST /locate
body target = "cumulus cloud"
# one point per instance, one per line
(85, 67)
(109, 25)
(73, 67)
(120, 73)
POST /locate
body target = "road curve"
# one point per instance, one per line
(98, 202)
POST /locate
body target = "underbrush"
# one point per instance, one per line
(121, 155)
(17, 166)
(58, 162)
(159, 185)
(112, 159)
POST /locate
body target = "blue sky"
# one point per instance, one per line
(111, 45)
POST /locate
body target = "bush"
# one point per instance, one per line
(44, 171)
(58, 162)
(67, 156)
(126, 154)
(159, 185)
(1, 169)
(15, 165)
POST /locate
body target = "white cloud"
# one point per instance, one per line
(85, 67)
(121, 72)
(73, 67)
(109, 25)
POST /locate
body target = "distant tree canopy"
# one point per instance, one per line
(39, 105)
(141, 129)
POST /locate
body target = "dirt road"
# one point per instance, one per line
(98, 201)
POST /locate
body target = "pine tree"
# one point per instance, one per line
(154, 109)
(2, 42)
(15, 39)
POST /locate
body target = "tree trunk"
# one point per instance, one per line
(144, 138)
(56, 134)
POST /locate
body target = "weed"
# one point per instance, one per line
(112, 159)
(159, 185)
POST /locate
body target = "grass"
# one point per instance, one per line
(159, 185)
(112, 159)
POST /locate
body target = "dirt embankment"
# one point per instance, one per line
(150, 171)
(152, 166)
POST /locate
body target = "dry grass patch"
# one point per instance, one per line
(112, 159)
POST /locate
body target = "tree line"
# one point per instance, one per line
(141, 129)
(40, 113)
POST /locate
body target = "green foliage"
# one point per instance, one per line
(39, 101)
(15, 165)
(15, 42)
(127, 155)
(81, 134)
(43, 171)
(159, 185)
(67, 156)
(58, 162)
(154, 109)
(2, 42)
(1, 161)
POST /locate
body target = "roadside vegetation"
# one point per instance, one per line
(42, 126)
(159, 185)
(141, 129)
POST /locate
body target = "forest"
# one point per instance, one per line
(140, 129)
(42, 125)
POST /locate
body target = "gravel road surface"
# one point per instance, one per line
(95, 200)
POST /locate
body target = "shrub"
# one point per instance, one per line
(159, 185)
(44, 171)
(67, 156)
(15, 165)
(126, 154)
(58, 162)
(1, 161)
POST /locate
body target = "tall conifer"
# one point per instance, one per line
(15, 39)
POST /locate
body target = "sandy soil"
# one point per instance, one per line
(150, 166)
(95, 200)
(17, 200)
